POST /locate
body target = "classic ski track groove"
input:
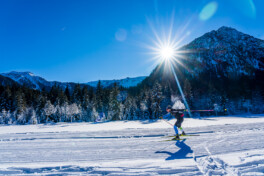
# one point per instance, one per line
(212, 165)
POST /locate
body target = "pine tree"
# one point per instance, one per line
(49, 110)
(156, 98)
(127, 107)
(91, 94)
(62, 111)
(9, 118)
(53, 94)
(74, 111)
(166, 98)
(257, 101)
(20, 103)
(188, 93)
(61, 98)
(67, 94)
(105, 100)
(114, 105)
(6, 100)
(21, 118)
(2, 116)
(130, 108)
(85, 97)
(33, 117)
(98, 101)
(86, 105)
(144, 104)
(57, 116)
(94, 115)
(42, 99)
(77, 95)
(3, 101)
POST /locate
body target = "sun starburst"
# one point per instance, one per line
(166, 52)
(166, 48)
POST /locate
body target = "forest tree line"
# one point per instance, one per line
(21, 105)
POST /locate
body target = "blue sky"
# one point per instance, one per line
(87, 40)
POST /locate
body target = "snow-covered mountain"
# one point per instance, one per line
(30, 80)
(223, 60)
(27, 79)
(6, 81)
(127, 82)
(226, 50)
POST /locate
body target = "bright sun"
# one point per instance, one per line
(167, 52)
(165, 46)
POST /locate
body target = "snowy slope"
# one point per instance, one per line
(226, 146)
(127, 82)
(27, 79)
(6, 81)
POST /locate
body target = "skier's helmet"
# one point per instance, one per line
(169, 107)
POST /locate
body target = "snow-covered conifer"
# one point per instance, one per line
(156, 99)
(98, 99)
(74, 111)
(114, 104)
(94, 115)
(33, 118)
(49, 109)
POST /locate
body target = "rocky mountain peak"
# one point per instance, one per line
(226, 50)
(225, 29)
(19, 74)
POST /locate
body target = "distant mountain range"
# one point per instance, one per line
(127, 82)
(36, 82)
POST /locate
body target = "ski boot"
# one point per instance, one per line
(183, 133)
(177, 137)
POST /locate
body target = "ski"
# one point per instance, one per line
(190, 135)
(174, 139)
(185, 135)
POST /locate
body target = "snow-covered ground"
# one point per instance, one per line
(226, 146)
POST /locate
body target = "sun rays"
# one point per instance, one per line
(168, 53)
(166, 44)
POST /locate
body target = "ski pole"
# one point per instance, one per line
(200, 110)
(167, 122)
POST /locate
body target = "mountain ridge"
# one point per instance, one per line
(125, 82)
(36, 82)
(228, 50)
(30, 80)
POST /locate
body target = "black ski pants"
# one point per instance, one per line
(179, 121)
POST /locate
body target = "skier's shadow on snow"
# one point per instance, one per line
(181, 153)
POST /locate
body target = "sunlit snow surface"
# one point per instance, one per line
(226, 146)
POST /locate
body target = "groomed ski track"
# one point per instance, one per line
(226, 146)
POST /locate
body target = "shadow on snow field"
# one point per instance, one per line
(182, 153)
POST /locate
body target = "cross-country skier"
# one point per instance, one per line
(178, 114)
